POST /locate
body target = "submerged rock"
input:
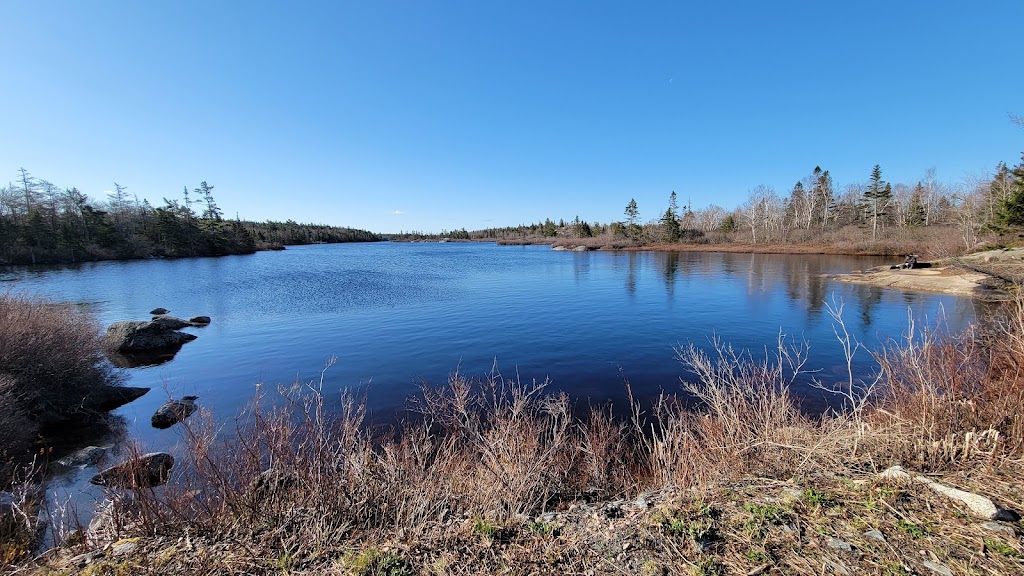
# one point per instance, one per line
(174, 411)
(87, 456)
(146, 471)
(140, 336)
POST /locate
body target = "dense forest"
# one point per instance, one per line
(815, 210)
(42, 223)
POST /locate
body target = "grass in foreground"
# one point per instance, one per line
(499, 477)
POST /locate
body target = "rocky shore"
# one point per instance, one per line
(989, 275)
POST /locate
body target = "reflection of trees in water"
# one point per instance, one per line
(669, 270)
(631, 273)
(869, 297)
(581, 265)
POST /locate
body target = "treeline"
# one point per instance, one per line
(272, 234)
(44, 223)
(815, 209)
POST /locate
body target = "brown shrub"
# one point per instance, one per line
(50, 357)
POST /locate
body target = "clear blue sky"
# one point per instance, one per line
(424, 115)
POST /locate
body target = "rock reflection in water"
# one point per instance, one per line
(143, 359)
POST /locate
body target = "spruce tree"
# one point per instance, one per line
(876, 198)
(632, 219)
(1011, 213)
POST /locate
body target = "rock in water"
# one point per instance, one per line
(159, 311)
(174, 411)
(146, 471)
(85, 457)
(202, 320)
(170, 322)
(140, 336)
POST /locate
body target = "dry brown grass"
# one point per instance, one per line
(51, 357)
(498, 476)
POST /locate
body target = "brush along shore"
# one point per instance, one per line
(500, 477)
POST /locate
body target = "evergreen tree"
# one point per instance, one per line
(632, 219)
(548, 229)
(1011, 212)
(212, 212)
(916, 212)
(581, 229)
(876, 199)
(670, 220)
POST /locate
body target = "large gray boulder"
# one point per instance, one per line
(141, 336)
(174, 411)
(146, 471)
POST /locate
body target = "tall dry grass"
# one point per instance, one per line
(50, 358)
(293, 479)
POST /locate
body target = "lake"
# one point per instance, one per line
(396, 315)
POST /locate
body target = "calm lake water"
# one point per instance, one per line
(397, 315)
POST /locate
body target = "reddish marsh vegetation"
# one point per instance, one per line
(498, 475)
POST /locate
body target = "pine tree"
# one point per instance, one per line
(632, 219)
(916, 212)
(212, 212)
(670, 220)
(876, 198)
(1011, 212)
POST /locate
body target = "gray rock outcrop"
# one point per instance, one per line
(146, 471)
(174, 411)
(199, 320)
(142, 336)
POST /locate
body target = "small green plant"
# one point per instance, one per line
(762, 516)
(915, 531)
(540, 528)
(708, 567)
(817, 498)
(1000, 547)
(651, 568)
(676, 527)
(485, 528)
(755, 556)
(373, 562)
(285, 562)
(767, 513)
(702, 530)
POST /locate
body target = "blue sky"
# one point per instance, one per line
(438, 115)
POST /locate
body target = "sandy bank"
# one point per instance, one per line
(988, 275)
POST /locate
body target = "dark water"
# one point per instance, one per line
(396, 315)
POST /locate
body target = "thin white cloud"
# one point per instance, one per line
(398, 212)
